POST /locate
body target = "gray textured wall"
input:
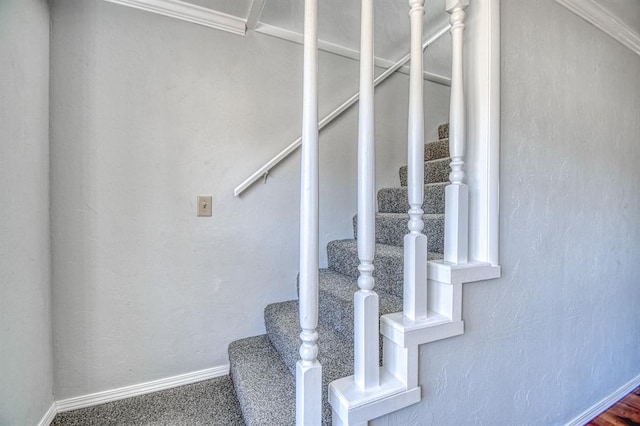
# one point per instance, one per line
(561, 329)
(26, 376)
(147, 113)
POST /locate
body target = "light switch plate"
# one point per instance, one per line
(204, 205)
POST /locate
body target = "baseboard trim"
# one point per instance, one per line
(607, 402)
(139, 389)
(49, 415)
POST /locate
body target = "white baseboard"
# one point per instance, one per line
(48, 417)
(139, 389)
(607, 402)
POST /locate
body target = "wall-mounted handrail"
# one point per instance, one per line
(264, 170)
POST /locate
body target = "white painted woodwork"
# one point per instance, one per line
(366, 332)
(482, 102)
(97, 398)
(456, 235)
(402, 335)
(353, 406)
(308, 369)
(415, 242)
(264, 170)
(190, 13)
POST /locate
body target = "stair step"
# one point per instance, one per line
(335, 354)
(392, 227)
(265, 388)
(388, 263)
(443, 131)
(394, 200)
(436, 149)
(336, 301)
(434, 171)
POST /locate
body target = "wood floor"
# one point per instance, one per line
(625, 412)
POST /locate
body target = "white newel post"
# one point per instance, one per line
(366, 321)
(415, 242)
(456, 224)
(308, 369)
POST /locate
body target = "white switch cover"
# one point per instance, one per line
(204, 205)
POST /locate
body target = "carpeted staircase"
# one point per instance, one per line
(263, 367)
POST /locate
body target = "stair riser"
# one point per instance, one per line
(336, 311)
(394, 200)
(264, 386)
(392, 229)
(443, 131)
(434, 171)
(335, 352)
(436, 150)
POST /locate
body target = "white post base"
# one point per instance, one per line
(308, 393)
(366, 340)
(415, 276)
(456, 224)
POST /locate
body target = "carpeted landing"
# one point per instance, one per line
(210, 402)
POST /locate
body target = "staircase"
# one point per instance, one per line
(263, 368)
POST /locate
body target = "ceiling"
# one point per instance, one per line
(339, 23)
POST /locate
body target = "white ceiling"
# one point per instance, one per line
(339, 23)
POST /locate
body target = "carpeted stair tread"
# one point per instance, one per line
(263, 383)
(434, 171)
(392, 227)
(443, 131)
(394, 200)
(335, 350)
(436, 149)
(388, 263)
(336, 301)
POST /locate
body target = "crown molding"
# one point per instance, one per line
(189, 12)
(601, 18)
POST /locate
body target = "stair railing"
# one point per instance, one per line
(264, 170)
(308, 369)
(415, 242)
(366, 318)
(456, 222)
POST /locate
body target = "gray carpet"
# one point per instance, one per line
(210, 402)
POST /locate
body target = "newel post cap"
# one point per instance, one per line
(456, 4)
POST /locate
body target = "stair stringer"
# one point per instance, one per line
(402, 337)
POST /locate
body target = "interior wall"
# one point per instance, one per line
(26, 374)
(560, 330)
(149, 112)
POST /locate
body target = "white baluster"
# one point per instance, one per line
(366, 321)
(456, 234)
(308, 369)
(415, 242)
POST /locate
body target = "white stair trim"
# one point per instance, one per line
(140, 389)
(593, 411)
(354, 406)
(601, 18)
(190, 13)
